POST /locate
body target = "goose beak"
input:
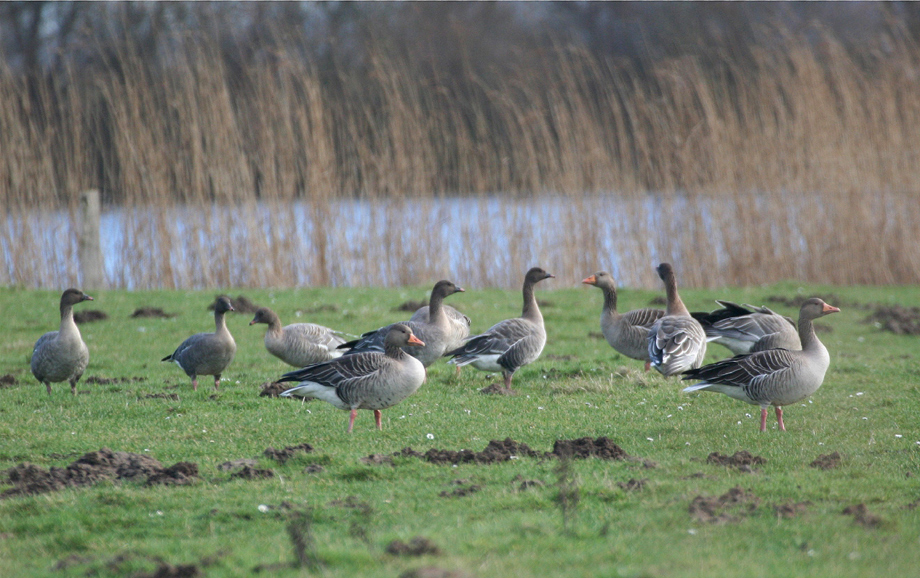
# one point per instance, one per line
(413, 340)
(461, 290)
(87, 298)
(590, 280)
(253, 322)
(830, 309)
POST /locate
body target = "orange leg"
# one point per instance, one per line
(779, 418)
(763, 419)
(377, 416)
(351, 420)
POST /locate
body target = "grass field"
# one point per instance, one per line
(575, 520)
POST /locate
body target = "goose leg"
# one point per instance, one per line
(48, 386)
(508, 377)
(763, 419)
(648, 365)
(779, 418)
(73, 388)
(351, 419)
(377, 416)
(195, 383)
(217, 381)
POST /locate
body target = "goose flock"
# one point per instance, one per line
(775, 363)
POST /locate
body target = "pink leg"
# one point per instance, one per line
(351, 419)
(48, 385)
(779, 418)
(216, 382)
(648, 365)
(763, 419)
(508, 377)
(195, 383)
(377, 416)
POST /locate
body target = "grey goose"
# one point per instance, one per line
(627, 332)
(676, 342)
(62, 355)
(207, 353)
(365, 380)
(746, 329)
(774, 377)
(298, 344)
(510, 344)
(436, 332)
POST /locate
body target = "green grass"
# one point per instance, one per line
(580, 387)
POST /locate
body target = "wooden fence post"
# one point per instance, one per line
(90, 243)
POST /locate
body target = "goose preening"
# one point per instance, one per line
(366, 380)
(676, 342)
(774, 377)
(627, 332)
(437, 331)
(510, 344)
(298, 344)
(746, 329)
(207, 353)
(62, 355)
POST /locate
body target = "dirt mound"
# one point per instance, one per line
(743, 460)
(95, 467)
(7, 380)
(96, 380)
(497, 389)
(791, 509)
(586, 447)
(89, 316)
(172, 396)
(241, 304)
(251, 473)
(287, 453)
(154, 312)
(501, 451)
(275, 389)
(411, 306)
(234, 464)
(417, 546)
(862, 516)
(729, 507)
(633, 485)
(464, 489)
(896, 319)
(433, 572)
(165, 570)
(377, 460)
(826, 461)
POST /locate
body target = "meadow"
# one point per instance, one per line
(665, 512)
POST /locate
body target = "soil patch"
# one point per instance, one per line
(95, 467)
(96, 380)
(433, 572)
(633, 485)
(90, 316)
(410, 305)
(896, 319)
(287, 453)
(729, 507)
(250, 473)
(314, 469)
(7, 380)
(497, 389)
(172, 396)
(862, 516)
(826, 461)
(275, 389)
(377, 460)
(417, 546)
(743, 460)
(791, 509)
(501, 451)
(169, 571)
(350, 502)
(526, 484)
(154, 312)
(234, 464)
(241, 304)
(462, 491)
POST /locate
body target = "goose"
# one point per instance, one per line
(510, 344)
(62, 355)
(676, 342)
(298, 344)
(774, 377)
(207, 353)
(436, 332)
(627, 333)
(364, 380)
(746, 329)
(459, 324)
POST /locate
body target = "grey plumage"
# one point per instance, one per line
(459, 324)
(510, 344)
(774, 377)
(298, 344)
(365, 380)
(207, 353)
(62, 355)
(746, 329)
(627, 332)
(676, 342)
(436, 331)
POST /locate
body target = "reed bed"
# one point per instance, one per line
(800, 163)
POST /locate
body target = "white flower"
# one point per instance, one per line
(691, 531)
(430, 436)
(899, 436)
(263, 508)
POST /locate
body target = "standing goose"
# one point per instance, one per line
(366, 380)
(627, 333)
(746, 329)
(62, 355)
(459, 324)
(298, 344)
(207, 353)
(676, 342)
(436, 332)
(510, 344)
(774, 377)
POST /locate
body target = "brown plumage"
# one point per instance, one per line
(207, 353)
(298, 344)
(62, 355)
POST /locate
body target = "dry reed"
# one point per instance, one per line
(799, 165)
